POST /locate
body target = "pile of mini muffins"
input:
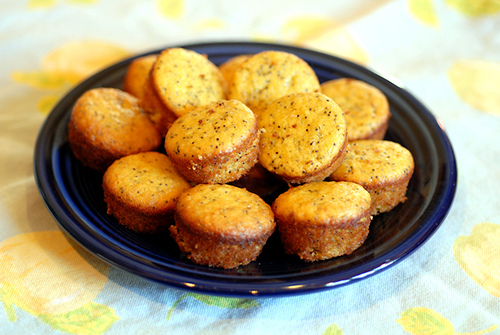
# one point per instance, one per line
(194, 148)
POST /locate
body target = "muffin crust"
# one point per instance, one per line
(321, 220)
(384, 168)
(366, 108)
(229, 67)
(137, 74)
(155, 108)
(107, 124)
(217, 143)
(222, 225)
(141, 191)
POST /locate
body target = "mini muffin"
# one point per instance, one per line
(221, 225)
(321, 220)
(229, 67)
(382, 167)
(153, 106)
(218, 143)
(185, 79)
(137, 74)
(304, 136)
(107, 124)
(269, 75)
(366, 107)
(141, 191)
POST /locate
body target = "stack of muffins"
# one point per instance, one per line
(194, 148)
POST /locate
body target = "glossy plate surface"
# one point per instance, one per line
(74, 197)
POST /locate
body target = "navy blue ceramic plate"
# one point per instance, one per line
(74, 197)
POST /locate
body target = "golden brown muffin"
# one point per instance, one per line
(366, 107)
(303, 137)
(107, 124)
(141, 191)
(137, 75)
(382, 167)
(185, 79)
(215, 144)
(154, 107)
(321, 220)
(269, 75)
(229, 67)
(222, 225)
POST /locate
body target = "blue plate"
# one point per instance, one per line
(74, 197)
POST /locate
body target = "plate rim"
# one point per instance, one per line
(53, 199)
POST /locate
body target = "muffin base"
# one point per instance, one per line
(221, 168)
(321, 174)
(376, 134)
(385, 198)
(135, 219)
(215, 251)
(87, 152)
(322, 242)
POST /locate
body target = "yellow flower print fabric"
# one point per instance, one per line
(76, 60)
(172, 9)
(424, 11)
(333, 330)
(210, 24)
(476, 7)
(72, 279)
(67, 65)
(324, 35)
(37, 4)
(477, 82)
(78, 295)
(425, 321)
(478, 254)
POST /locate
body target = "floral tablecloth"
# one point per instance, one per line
(445, 52)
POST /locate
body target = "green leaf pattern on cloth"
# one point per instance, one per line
(221, 302)
(90, 319)
(8, 304)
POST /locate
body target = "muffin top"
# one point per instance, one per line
(137, 75)
(185, 79)
(229, 67)
(155, 108)
(225, 211)
(146, 181)
(373, 163)
(269, 75)
(210, 130)
(114, 121)
(301, 134)
(365, 106)
(323, 203)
